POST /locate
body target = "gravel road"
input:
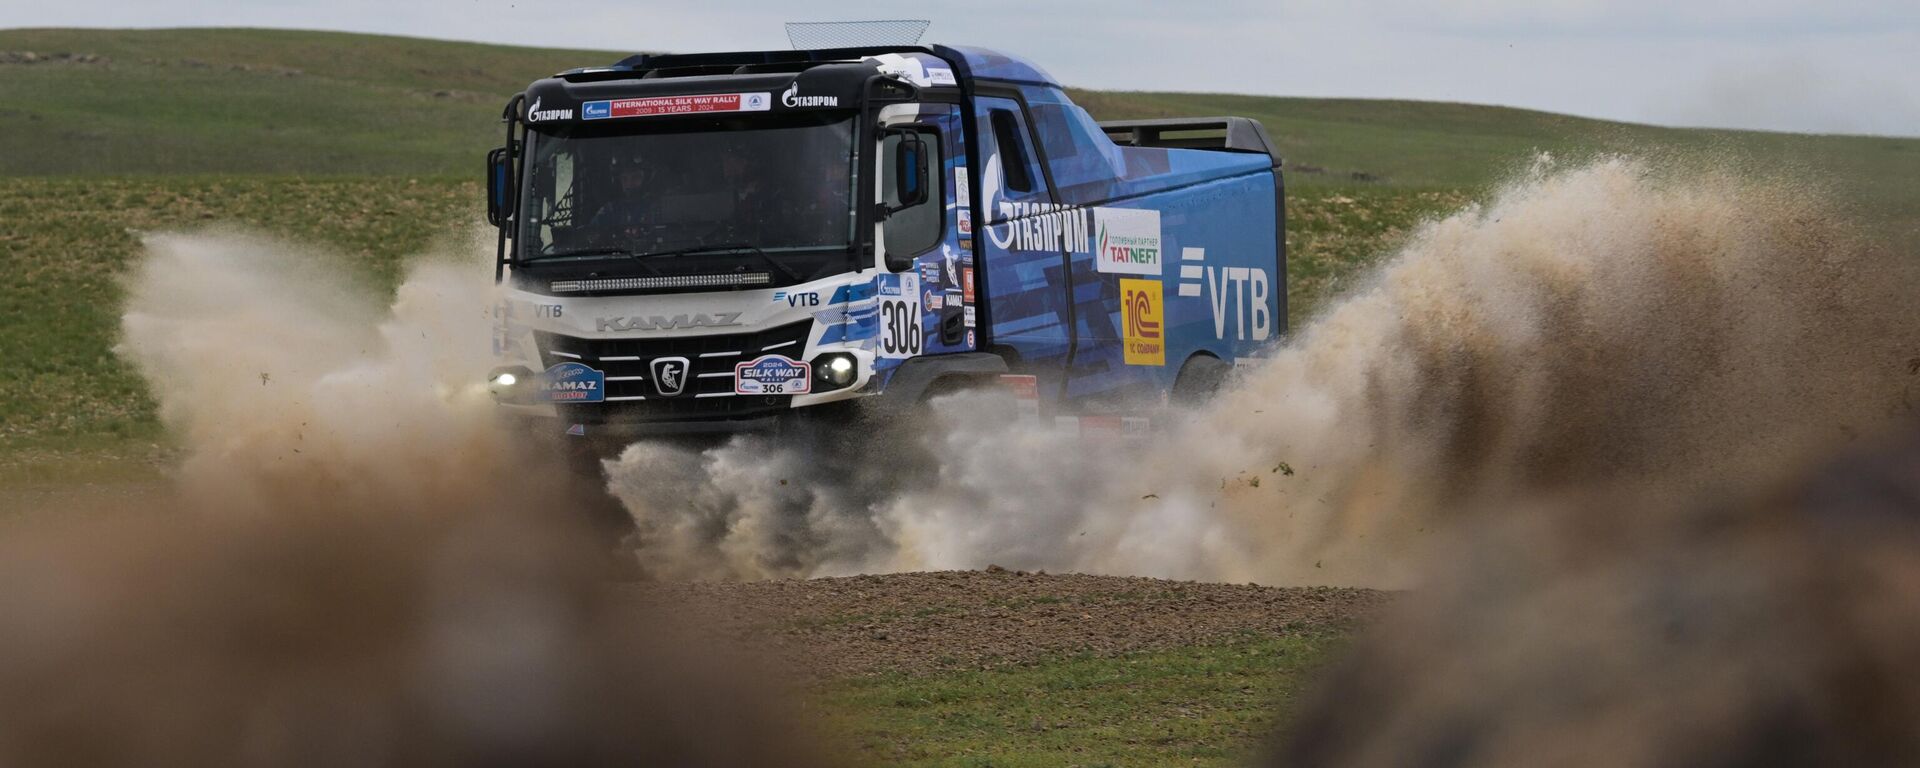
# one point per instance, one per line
(920, 622)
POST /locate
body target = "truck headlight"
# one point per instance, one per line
(835, 370)
(508, 383)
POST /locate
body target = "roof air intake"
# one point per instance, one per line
(815, 35)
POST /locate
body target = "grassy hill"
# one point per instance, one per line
(114, 131)
(255, 101)
(368, 148)
(275, 101)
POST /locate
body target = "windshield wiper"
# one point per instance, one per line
(720, 247)
(621, 252)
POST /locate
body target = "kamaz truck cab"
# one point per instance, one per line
(718, 242)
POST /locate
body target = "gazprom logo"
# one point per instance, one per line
(792, 98)
(537, 115)
(596, 110)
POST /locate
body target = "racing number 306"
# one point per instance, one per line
(902, 333)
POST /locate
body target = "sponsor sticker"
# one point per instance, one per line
(537, 115)
(966, 285)
(1245, 295)
(969, 314)
(901, 332)
(572, 383)
(962, 190)
(792, 98)
(773, 375)
(676, 105)
(1126, 241)
(1142, 309)
(930, 272)
(933, 301)
(940, 76)
(965, 217)
(797, 298)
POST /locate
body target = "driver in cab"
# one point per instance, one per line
(623, 213)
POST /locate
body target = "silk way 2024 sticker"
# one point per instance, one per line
(773, 375)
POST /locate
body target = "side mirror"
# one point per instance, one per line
(499, 186)
(909, 176)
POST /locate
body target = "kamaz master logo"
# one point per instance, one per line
(664, 323)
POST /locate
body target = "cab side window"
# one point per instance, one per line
(1010, 167)
(914, 229)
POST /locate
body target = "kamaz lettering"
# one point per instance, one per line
(665, 323)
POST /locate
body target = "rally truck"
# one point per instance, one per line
(714, 243)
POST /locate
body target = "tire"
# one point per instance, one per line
(1200, 379)
(598, 508)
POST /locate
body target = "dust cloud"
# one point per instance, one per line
(356, 567)
(1773, 629)
(1647, 334)
(286, 381)
(1651, 334)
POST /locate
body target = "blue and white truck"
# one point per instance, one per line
(712, 243)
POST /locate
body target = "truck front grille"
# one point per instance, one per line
(628, 364)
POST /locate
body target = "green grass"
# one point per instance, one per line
(259, 101)
(369, 147)
(281, 101)
(1199, 705)
(364, 144)
(65, 243)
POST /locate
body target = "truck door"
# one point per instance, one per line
(930, 308)
(1021, 250)
(1119, 310)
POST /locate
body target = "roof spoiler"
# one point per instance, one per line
(1226, 134)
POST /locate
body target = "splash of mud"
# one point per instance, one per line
(1605, 329)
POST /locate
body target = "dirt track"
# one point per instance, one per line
(972, 619)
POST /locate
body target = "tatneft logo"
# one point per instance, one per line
(1127, 241)
(670, 375)
(792, 98)
(537, 115)
(664, 323)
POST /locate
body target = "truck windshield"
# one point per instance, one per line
(783, 188)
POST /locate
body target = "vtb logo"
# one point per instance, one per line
(670, 375)
(1143, 313)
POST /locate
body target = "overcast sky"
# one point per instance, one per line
(1806, 65)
